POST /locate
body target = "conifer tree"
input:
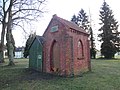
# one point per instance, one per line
(109, 26)
(92, 44)
(75, 19)
(81, 20)
(28, 43)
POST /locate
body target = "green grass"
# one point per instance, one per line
(105, 75)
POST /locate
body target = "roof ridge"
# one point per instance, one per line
(69, 24)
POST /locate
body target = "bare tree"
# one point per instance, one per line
(3, 16)
(17, 13)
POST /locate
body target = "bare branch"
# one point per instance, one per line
(10, 5)
(14, 1)
(20, 27)
(24, 18)
(6, 1)
(20, 10)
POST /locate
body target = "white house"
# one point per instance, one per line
(19, 52)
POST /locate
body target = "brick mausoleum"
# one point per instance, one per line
(65, 49)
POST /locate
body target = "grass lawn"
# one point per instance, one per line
(105, 75)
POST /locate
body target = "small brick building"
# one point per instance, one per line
(66, 48)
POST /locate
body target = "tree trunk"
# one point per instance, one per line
(9, 38)
(2, 43)
(10, 47)
(2, 54)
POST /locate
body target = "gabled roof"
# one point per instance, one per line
(28, 46)
(67, 24)
(40, 39)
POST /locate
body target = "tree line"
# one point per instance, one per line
(108, 36)
(17, 13)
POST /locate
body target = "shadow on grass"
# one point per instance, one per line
(26, 74)
(11, 75)
(36, 75)
(30, 75)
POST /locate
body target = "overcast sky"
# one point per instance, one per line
(65, 9)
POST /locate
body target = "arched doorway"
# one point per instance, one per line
(55, 57)
(80, 52)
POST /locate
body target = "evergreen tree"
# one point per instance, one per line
(92, 46)
(75, 19)
(109, 26)
(28, 43)
(81, 20)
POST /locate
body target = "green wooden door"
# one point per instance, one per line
(39, 57)
(32, 58)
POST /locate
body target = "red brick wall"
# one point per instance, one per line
(49, 38)
(82, 64)
(67, 41)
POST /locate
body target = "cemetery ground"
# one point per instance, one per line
(105, 75)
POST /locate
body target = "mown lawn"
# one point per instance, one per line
(105, 75)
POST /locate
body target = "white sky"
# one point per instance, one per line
(65, 9)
